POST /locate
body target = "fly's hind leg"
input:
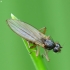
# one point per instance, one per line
(37, 51)
(43, 30)
(33, 46)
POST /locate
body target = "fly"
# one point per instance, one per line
(34, 36)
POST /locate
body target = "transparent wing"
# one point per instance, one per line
(25, 30)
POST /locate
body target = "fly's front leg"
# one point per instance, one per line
(43, 30)
(46, 55)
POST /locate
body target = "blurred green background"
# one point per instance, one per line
(53, 14)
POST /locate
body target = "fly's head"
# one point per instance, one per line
(57, 48)
(49, 45)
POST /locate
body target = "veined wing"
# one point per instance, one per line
(25, 30)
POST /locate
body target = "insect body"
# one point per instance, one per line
(34, 36)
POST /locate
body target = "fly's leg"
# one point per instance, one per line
(28, 44)
(46, 55)
(43, 30)
(37, 51)
(31, 46)
(37, 48)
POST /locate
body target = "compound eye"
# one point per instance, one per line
(55, 49)
(57, 45)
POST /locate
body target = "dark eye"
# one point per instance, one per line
(56, 49)
(57, 45)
